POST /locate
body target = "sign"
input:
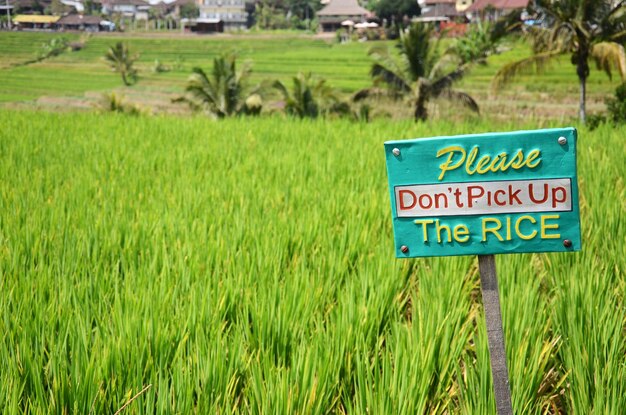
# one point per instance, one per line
(485, 194)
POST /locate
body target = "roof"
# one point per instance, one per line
(343, 8)
(78, 19)
(212, 21)
(498, 4)
(31, 18)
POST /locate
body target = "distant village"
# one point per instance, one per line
(210, 16)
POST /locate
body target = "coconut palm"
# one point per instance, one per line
(121, 61)
(309, 97)
(223, 92)
(584, 29)
(421, 73)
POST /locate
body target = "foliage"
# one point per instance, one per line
(584, 29)
(37, 7)
(616, 110)
(121, 61)
(54, 47)
(57, 8)
(91, 7)
(304, 12)
(222, 92)
(160, 67)
(396, 12)
(309, 97)
(253, 105)
(189, 10)
(288, 14)
(269, 16)
(420, 74)
(247, 267)
(117, 103)
(476, 45)
(616, 106)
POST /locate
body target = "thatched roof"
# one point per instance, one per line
(78, 19)
(343, 8)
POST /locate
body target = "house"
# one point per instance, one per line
(137, 9)
(494, 9)
(446, 16)
(231, 12)
(439, 10)
(80, 22)
(337, 11)
(462, 5)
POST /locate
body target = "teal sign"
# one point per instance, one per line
(482, 194)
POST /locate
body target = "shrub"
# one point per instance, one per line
(617, 106)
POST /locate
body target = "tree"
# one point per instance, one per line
(394, 11)
(270, 15)
(584, 29)
(90, 7)
(223, 92)
(121, 61)
(57, 8)
(189, 10)
(304, 10)
(310, 97)
(419, 74)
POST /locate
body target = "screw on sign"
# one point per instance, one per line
(486, 194)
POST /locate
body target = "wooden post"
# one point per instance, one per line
(495, 334)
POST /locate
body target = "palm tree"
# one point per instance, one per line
(310, 97)
(585, 29)
(121, 61)
(419, 73)
(222, 92)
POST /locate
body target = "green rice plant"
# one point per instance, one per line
(246, 266)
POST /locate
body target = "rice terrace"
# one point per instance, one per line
(200, 223)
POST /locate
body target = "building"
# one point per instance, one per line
(337, 11)
(137, 9)
(231, 12)
(462, 5)
(432, 9)
(445, 15)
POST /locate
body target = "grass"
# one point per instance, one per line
(247, 266)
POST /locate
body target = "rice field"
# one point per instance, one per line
(246, 266)
(77, 80)
(74, 73)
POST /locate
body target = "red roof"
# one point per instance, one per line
(498, 4)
